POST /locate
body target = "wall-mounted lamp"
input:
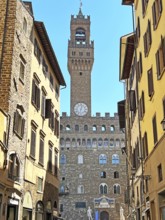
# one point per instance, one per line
(163, 124)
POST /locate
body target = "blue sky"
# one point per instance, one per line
(109, 21)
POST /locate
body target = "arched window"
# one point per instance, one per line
(103, 174)
(94, 128)
(112, 128)
(80, 36)
(83, 142)
(14, 167)
(76, 127)
(62, 189)
(103, 188)
(116, 189)
(39, 211)
(102, 159)
(116, 174)
(111, 142)
(117, 142)
(78, 142)
(80, 159)
(94, 142)
(85, 127)
(67, 142)
(73, 142)
(100, 142)
(68, 128)
(80, 189)
(63, 159)
(62, 142)
(106, 142)
(103, 128)
(115, 159)
(89, 143)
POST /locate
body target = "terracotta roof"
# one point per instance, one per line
(43, 36)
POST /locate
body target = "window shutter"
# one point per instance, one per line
(149, 32)
(38, 97)
(145, 44)
(150, 83)
(132, 100)
(140, 63)
(163, 49)
(16, 116)
(33, 143)
(164, 107)
(52, 121)
(41, 154)
(157, 64)
(33, 91)
(22, 127)
(154, 15)
(48, 110)
(154, 129)
(43, 106)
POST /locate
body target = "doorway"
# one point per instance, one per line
(104, 215)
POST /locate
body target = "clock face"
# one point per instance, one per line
(80, 109)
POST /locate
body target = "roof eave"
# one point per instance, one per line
(43, 36)
(126, 55)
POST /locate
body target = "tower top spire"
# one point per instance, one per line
(80, 14)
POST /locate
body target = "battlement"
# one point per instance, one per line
(98, 115)
(74, 44)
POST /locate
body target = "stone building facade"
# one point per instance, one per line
(92, 166)
(30, 79)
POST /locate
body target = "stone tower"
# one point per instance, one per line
(92, 166)
(80, 62)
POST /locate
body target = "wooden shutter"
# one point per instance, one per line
(38, 97)
(149, 33)
(43, 106)
(150, 83)
(16, 116)
(157, 64)
(33, 91)
(132, 100)
(154, 129)
(164, 107)
(41, 153)
(154, 14)
(163, 49)
(48, 110)
(22, 127)
(33, 143)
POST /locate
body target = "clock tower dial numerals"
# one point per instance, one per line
(80, 109)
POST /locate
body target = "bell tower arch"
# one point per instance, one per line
(80, 62)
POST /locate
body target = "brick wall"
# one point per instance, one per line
(7, 28)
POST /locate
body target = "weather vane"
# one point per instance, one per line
(80, 4)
